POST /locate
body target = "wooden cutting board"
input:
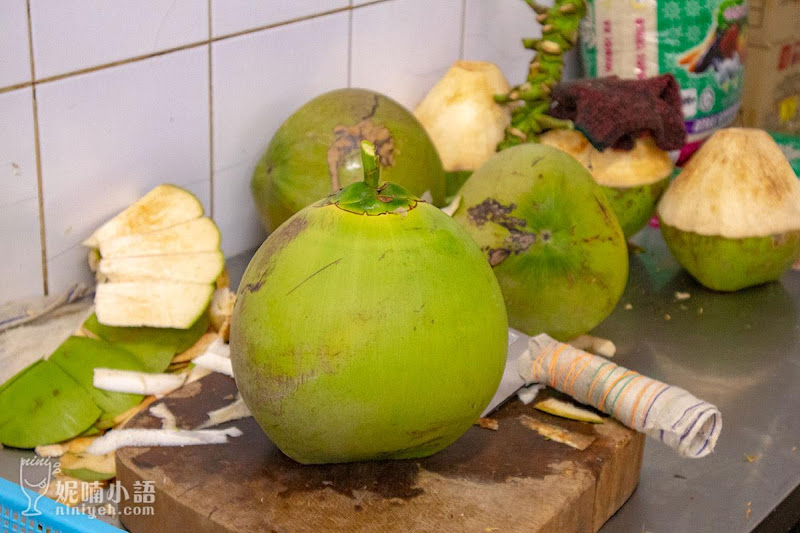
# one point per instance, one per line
(512, 479)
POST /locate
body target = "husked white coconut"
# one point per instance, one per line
(198, 235)
(164, 304)
(162, 207)
(462, 118)
(739, 184)
(200, 267)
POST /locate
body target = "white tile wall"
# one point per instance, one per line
(259, 79)
(493, 31)
(108, 137)
(401, 48)
(21, 267)
(232, 16)
(15, 63)
(111, 133)
(70, 35)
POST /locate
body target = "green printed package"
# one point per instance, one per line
(700, 42)
(790, 146)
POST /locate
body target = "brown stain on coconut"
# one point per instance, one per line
(517, 241)
(348, 140)
(276, 242)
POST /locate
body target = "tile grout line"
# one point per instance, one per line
(187, 46)
(463, 29)
(38, 156)
(9, 88)
(210, 120)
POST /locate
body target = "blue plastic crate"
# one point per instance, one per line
(54, 517)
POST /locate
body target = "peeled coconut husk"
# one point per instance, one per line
(164, 304)
(200, 267)
(461, 116)
(156, 262)
(198, 235)
(633, 180)
(164, 206)
(732, 216)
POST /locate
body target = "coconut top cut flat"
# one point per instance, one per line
(643, 165)
(738, 185)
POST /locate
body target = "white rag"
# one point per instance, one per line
(681, 421)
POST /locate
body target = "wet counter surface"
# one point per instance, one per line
(740, 351)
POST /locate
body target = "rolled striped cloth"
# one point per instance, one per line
(681, 421)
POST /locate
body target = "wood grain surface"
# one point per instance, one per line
(508, 480)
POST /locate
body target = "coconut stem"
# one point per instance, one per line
(559, 33)
(372, 167)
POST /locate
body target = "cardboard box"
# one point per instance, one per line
(773, 21)
(771, 98)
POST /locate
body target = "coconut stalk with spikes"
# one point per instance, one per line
(353, 335)
(531, 99)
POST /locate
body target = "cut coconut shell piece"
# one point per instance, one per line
(79, 356)
(88, 467)
(579, 441)
(120, 438)
(201, 267)
(44, 405)
(136, 382)
(158, 304)
(164, 206)
(154, 347)
(568, 410)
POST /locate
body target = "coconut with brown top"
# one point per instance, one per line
(732, 217)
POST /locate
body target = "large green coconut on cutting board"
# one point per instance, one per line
(317, 151)
(551, 236)
(368, 326)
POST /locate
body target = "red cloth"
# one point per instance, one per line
(612, 112)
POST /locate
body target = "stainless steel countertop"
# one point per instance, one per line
(740, 351)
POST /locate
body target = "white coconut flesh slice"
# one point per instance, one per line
(738, 185)
(645, 164)
(164, 304)
(198, 235)
(164, 206)
(200, 267)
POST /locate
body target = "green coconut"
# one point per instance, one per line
(551, 236)
(732, 216)
(368, 326)
(316, 152)
(43, 405)
(633, 180)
